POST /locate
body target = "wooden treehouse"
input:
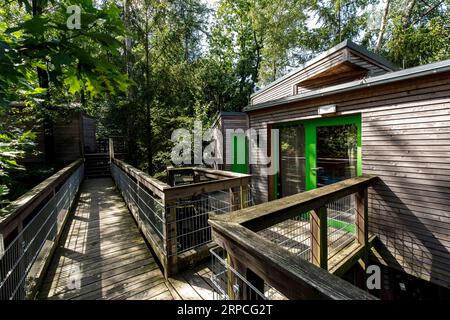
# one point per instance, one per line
(358, 175)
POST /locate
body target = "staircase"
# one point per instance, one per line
(97, 165)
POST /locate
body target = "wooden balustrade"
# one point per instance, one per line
(261, 260)
(20, 210)
(25, 255)
(169, 195)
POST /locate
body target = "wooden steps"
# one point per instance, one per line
(97, 165)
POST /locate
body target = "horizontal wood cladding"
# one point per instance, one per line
(229, 122)
(354, 62)
(285, 88)
(406, 142)
(68, 138)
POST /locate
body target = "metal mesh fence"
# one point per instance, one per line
(145, 207)
(192, 213)
(229, 284)
(341, 223)
(35, 239)
(293, 235)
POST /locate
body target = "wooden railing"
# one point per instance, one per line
(30, 230)
(116, 145)
(261, 260)
(174, 219)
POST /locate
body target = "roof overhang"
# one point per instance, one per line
(346, 44)
(411, 73)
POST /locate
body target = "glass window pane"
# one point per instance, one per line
(292, 160)
(336, 153)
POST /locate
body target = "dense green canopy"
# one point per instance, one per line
(145, 67)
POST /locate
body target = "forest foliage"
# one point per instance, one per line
(145, 67)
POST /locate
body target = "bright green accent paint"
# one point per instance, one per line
(276, 165)
(239, 140)
(337, 224)
(311, 126)
(310, 156)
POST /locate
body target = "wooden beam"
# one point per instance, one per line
(362, 222)
(361, 219)
(270, 213)
(170, 236)
(352, 257)
(319, 234)
(294, 277)
(195, 189)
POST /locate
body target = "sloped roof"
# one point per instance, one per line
(344, 44)
(411, 73)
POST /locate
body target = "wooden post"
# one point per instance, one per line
(169, 178)
(170, 235)
(255, 281)
(243, 194)
(319, 237)
(2, 246)
(362, 220)
(232, 280)
(196, 177)
(111, 149)
(231, 199)
(245, 292)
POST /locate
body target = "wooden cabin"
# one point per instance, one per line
(238, 122)
(350, 112)
(74, 134)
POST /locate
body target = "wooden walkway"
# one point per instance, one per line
(102, 255)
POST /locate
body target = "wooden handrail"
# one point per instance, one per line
(170, 196)
(154, 185)
(270, 213)
(18, 210)
(293, 276)
(216, 174)
(169, 193)
(198, 188)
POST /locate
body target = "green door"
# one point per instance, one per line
(317, 152)
(239, 153)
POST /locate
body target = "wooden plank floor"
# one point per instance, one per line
(102, 255)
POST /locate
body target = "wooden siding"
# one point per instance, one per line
(374, 68)
(89, 137)
(232, 122)
(287, 86)
(68, 138)
(406, 142)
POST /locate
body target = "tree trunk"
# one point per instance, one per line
(44, 83)
(382, 27)
(408, 11)
(147, 97)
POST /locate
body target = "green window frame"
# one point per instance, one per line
(311, 126)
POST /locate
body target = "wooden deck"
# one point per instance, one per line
(102, 255)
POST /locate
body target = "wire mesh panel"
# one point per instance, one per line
(292, 234)
(146, 208)
(229, 284)
(341, 223)
(36, 239)
(192, 215)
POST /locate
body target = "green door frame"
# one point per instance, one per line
(311, 126)
(235, 166)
